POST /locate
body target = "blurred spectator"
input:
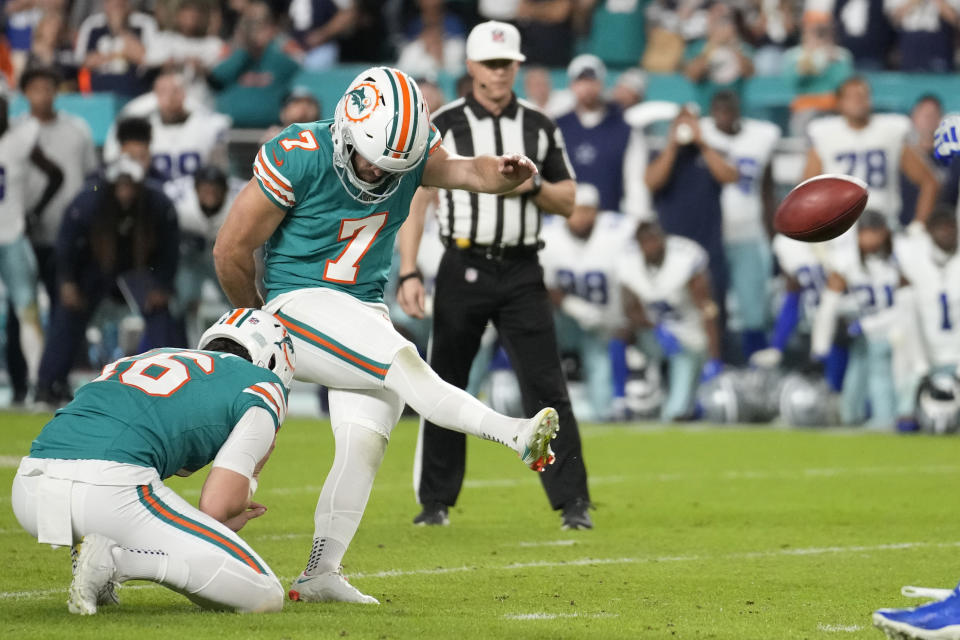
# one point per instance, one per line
(773, 26)
(538, 89)
(254, 80)
(546, 28)
(685, 179)
(18, 266)
(432, 93)
(51, 48)
(299, 106)
(21, 18)
(630, 88)
(187, 44)
(183, 137)
(815, 68)
(614, 30)
(598, 140)
(747, 207)
(671, 24)
(667, 299)
(502, 10)
(121, 228)
(202, 201)
(722, 61)
(370, 38)
(317, 26)
(435, 41)
(580, 272)
(925, 115)
(68, 142)
(864, 31)
(112, 46)
(926, 31)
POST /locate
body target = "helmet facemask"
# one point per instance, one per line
(361, 190)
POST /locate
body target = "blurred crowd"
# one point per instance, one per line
(105, 252)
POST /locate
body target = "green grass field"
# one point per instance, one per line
(700, 533)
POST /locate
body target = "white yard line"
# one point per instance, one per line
(742, 555)
(10, 462)
(554, 616)
(548, 543)
(839, 628)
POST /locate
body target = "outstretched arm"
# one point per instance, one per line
(481, 174)
(251, 221)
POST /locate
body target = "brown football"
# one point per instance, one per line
(821, 208)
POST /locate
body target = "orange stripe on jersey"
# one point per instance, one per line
(266, 394)
(266, 182)
(281, 182)
(236, 314)
(404, 97)
(204, 532)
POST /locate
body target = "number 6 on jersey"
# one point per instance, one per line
(359, 234)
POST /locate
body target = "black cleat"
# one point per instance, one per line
(576, 516)
(433, 514)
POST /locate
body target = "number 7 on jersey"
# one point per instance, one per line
(359, 233)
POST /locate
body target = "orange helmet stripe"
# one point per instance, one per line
(405, 98)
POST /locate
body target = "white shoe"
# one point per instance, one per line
(327, 587)
(108, 594)
(94, 575)
(534, 438)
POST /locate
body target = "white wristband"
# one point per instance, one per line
(253, 488)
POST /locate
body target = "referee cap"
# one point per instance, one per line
(494, 40)
(587, 66)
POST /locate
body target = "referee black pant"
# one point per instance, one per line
(470, 291)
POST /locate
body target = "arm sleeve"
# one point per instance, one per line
(280, 165)
(248, 443)
(227, 72)
(556, 165)
(636, 196)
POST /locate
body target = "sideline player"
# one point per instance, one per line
(747, 205)
(96, 470)
(666, 292)
(580, 271)
(327, 198)
(872, 147)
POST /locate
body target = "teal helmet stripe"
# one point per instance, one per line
(396, 106)
(244, 317)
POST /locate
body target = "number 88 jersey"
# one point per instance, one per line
(871, 154)
(327, 238)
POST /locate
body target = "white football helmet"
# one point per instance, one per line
(383, 117)
(938, 403)
(806, 401)
(262, 335)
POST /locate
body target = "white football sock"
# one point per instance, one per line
(152, 565)
(444, 404)
(359, 452)
(31, 342)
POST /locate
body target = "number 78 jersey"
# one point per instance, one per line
(871, 154)
(327, 238)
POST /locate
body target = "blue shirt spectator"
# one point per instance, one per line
(926, 32)
(113, 45)
(864, 31)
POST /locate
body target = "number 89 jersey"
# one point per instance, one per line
(871, 154)
(327, 239)
(168, 409)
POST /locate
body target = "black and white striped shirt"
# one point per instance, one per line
(468, 129)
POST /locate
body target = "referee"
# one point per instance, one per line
(490, 271)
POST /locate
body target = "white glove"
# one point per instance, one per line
(768, 358)
(946, 139)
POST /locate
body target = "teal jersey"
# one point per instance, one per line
(169, 409)
(327, 239)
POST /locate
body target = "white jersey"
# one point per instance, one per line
(588, 268)
(191, 218)
(16, 145)
(936, 286)
(750, 151)
(871, 282)
(664, 291)
(805, 263)
(179, 149)
(68, 142)
(871, 154)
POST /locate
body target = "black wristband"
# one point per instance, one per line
(413, 274)
(536, 186)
